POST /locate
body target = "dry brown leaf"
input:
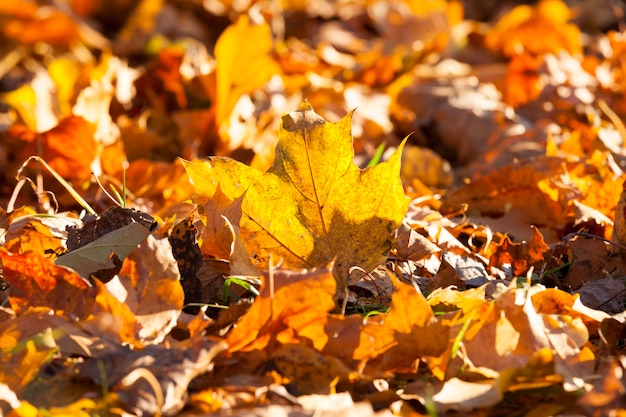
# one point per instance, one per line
(412, 245)
(153, 380)
(619, 229)
(150, 282)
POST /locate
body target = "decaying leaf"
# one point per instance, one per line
(105, 253)
(153, 380)
(314, 206)
(153, 290)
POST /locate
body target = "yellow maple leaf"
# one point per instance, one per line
(314, 205)
(242, 66)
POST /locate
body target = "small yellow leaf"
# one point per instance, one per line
(242, 66)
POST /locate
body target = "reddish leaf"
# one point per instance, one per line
(38, 282)
(520, 256)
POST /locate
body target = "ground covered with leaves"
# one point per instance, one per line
(351, 208)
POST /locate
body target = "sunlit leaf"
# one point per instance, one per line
(396, 341)
(37, 282)
(69, 148)
(309, 208)
(30, 356)
(520, 256)
(518, 31)
(290, 306)
(30, 27)
(242, 66)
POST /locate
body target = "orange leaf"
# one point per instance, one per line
(69, 148)
(38, 282)
(30, 27)
(30, 234)
(309, 370)
(520, 256)
(21, 360)
(297, 308)
(536, 30)
(523, 81)
(398, 341)
(161, 183)
(163, 81)
(218, 238)
(111, 318)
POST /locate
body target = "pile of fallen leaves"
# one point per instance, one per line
(195, 220)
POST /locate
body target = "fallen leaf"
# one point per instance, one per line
(112, 319)
(40, 234)
(241, 66)
(37, 282)
(152, 288)
(409, 318)
(291, 306)
(23, 355)
(607, 393)
(439, 112)
(159, 183)
(155, 379)
(28, 26)
(531, 192)
(308, 209)
(69, 148)
(464, 396)
(103, 253)
(309, 370)
(518, 30)
(619, 229)
(519, 257)
(604, 294)
(218, 238)
(412, 245)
